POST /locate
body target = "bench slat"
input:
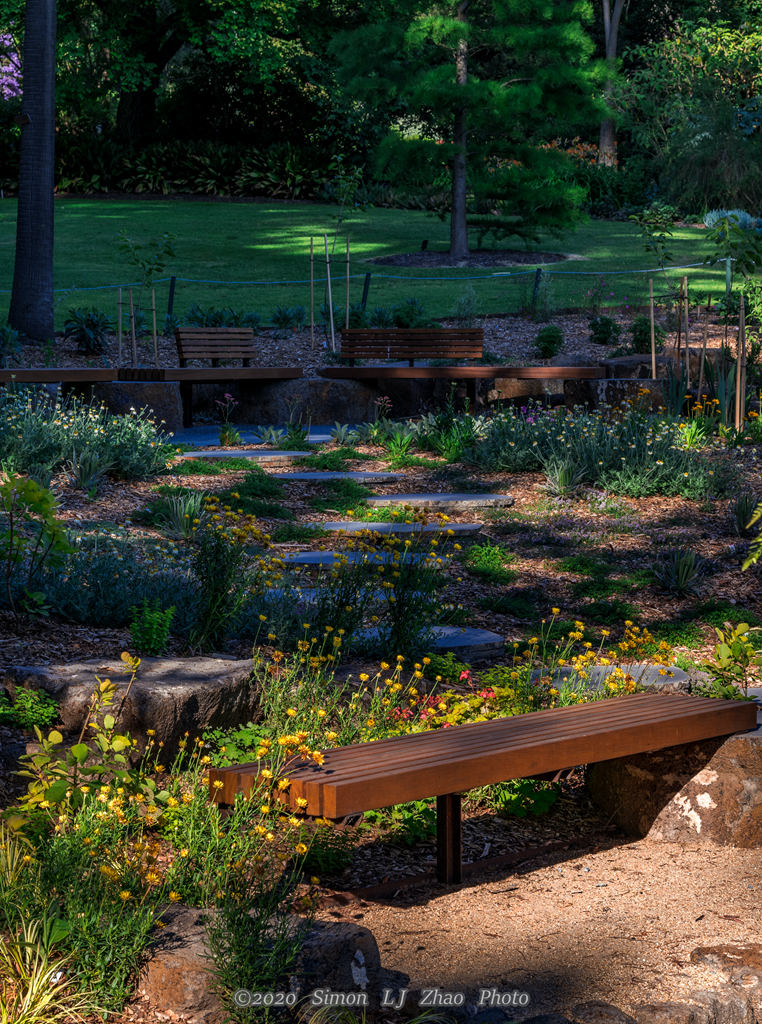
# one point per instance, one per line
(463, 372)
(400, 769)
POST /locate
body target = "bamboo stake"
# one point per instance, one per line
(155, 334)
(687, 338)
(738, 368)
(119, 325)
(132, 332)
(743, 359)
(330, 294)
(346, 292)
(312, 293)
(653, 327)
(679, 325)
(703, 359)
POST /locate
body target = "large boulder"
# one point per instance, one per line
(171, 696)
(160, 398)
(709, 792)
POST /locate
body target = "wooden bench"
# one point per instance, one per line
(447, 762)
(435, 343)
(56, 375)
(218, 344)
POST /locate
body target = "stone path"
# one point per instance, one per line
(260, 454)
(335, 557)
(401, 529)
(468, 643)
(444, 502)
(209, 434)
(318, 476)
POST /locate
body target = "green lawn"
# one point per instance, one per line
(218, 240)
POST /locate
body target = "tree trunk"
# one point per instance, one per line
(458, 222)
(607, 138)
(31, 309)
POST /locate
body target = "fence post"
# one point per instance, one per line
(365, 290)
(536, 289)
(171, 301)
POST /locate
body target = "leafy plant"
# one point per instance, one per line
(274, 436)
(28, 708)
(549, 341)
(742, 511)
(640, 333)
(150, 626)
(655, 225)
(342, 434)
(735, 658)
(288, 318)
(488, 561)
(9, 344)
(604, 330)
(520, 798)
(32, 537)
(177, 511)
(330, 850)
(563, 478)
(679, 570)
(150, 257)
(89, 328)
(87, 468)
(409, 824)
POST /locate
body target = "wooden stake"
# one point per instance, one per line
(155, 334)
(679, 324)
(119, 325)
(743, 360)
(653, 327)
(312, 293)
(702, 363)
(687, 337)
(346, 292)
(330, 293)
(132, 332)
(738, 368)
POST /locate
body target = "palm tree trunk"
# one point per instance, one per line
(31, 309)
(458, 222)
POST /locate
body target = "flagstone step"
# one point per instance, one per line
(316, 476)
(453, 501)
(401, 529)
(260, 454)
(352, 557)
(467, 642)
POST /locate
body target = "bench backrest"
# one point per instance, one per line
(412, 343)
(215, 343)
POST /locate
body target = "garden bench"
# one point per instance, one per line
(413, 344)
(447, 762)
(216, 344)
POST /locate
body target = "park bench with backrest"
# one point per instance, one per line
(399, 345)
(219, 345)
(447, 762)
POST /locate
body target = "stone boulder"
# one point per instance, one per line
(172, 696)
(699, 792)
(160, 398)
(339, 956)
(646, 393)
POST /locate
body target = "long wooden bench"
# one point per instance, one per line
(218, 344)
(399, 344)
(56, 375)
(446, 762)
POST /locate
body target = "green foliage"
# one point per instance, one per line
(520, 798)
(330, 851)
(211, 316)
(340, 496)
(28, 708)
(655, 225)
(731, 241)
(409, 824)
(447, 667)
(175, 511)
(604, 330)
(150, 626)
(489, 562)
(32, 538)
(742, 511)
(38, 435)
(736, 661)
(210, 467)
(679, 570)
(87, 468)
(89, 328)
(549, 341)
(9, 344)
(640, 333)
(149, 258)
(562, 478)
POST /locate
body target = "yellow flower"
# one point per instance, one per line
(301, 802)
(125, 895)
(300, 848)
(174, 896)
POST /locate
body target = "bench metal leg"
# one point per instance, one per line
(449, 849)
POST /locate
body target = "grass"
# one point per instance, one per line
(584, 565)
(488, 561)
(335, 460)
(519, 604)
(223, 241)
(254, 495)
(341, 496)
(209, 467)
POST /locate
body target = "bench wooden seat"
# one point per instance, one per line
(56, 375)
(412, 343)
(464, 372)
(218, 344)
(447, 762)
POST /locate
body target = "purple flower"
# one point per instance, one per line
(10, 69)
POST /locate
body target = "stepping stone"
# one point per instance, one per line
(235, 453)
(443, 501)
(318, 476)
(332, 557)
(401, 529)
(464, 641)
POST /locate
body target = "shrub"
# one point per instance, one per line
(679, 570)
(212, 316)
(742, 511)
(640, 332)
(149, 629)
(549, 341)
(28, 708)
(89, 328)
(604, 330)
